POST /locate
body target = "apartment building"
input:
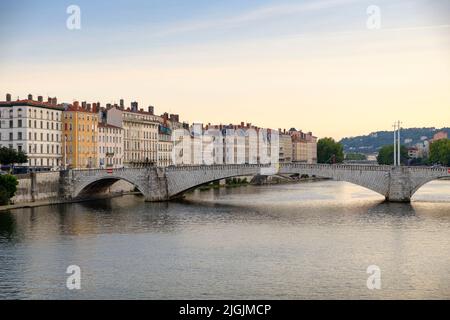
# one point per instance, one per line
(80, 135)
(304, 146)
(110, 146)
(140, 135)
(33, 127)
(286, 146)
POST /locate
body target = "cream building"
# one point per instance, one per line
(34, 127)
(140, 136)
(110, 146)
(304, 147)
(286, 147)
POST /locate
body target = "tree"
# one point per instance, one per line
(329, 151)
(8, 188)
(10, 156)
(440, 152)
(386, 155)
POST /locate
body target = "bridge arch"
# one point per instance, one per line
(423, 182)
(181, 180)
(98, 185)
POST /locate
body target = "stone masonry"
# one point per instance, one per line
(397, 184)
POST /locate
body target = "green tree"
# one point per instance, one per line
(329, 151)
(10, 156)
(386, 155)
(8, 188)
(440, 152)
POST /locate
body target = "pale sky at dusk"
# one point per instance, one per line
(313, 65)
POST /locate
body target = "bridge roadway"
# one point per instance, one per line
(397, 184)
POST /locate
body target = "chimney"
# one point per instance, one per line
(54, 101)
(134, 106)
(151, 109)
(40, 99)
(122, 104)
(88, 107)
(83, 104)
(30, 97)
(174, 118)
(108, 106)
(49, 100)
(76, 104)
(8, 97)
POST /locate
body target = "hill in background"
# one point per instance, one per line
(371, 143)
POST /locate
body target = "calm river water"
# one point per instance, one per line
(295, 241)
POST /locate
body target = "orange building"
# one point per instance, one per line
(80, 132)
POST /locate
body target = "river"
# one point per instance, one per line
(293, 241)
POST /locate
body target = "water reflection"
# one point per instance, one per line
(311, 240)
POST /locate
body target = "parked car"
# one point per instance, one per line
(3, 172)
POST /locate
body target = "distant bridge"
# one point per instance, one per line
(397, 184)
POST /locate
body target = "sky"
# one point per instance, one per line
(311, 65)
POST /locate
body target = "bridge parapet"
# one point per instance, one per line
(395, 183)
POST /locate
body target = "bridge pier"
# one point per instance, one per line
(157, 186)
(400, 185)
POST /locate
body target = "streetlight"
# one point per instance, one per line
(395, 144)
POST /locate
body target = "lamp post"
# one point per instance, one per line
(395, 144)
(399, 144)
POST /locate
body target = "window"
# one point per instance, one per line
(19, 123)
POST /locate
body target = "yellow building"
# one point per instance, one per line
(80, 132)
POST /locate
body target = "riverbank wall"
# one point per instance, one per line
(34, 190)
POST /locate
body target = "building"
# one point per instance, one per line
(286, 146)
(33, 127)
(439, 136)
(140, 136)
(304, 147)
(110, 146)
(413, 153)
(80, 132)
(165, 143)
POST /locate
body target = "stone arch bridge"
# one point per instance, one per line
(396, 184)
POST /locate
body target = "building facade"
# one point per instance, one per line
(110, 146)
(80, 135)
(140, 136)
(35, 128)
(304, 147)
(286, 147)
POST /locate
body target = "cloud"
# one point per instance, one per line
(263, 13)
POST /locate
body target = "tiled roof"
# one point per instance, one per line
(30, 103)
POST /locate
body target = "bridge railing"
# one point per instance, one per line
(216, 167)
(100, 171)
(349, 167)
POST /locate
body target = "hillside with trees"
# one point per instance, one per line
(373, 142)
